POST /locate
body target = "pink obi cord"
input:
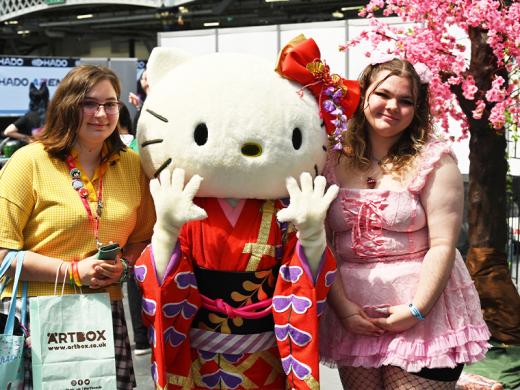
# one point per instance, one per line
(248, 312)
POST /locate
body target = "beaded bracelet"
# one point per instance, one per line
(69, 270)
(415, 312)
(75, 274)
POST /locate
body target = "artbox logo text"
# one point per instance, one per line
(57, 341)
(76, 337)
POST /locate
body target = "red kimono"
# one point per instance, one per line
(238, 307)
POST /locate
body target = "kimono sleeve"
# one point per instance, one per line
(298, 301)
(169, 307)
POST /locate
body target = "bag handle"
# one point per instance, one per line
(6, 263)
(8, 259)
(67, 267)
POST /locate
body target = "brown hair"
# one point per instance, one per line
(356, 144)
(64, 113)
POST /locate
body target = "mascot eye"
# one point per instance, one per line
(297, 138)
(201, 134)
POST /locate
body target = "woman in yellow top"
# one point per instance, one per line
(74, 189)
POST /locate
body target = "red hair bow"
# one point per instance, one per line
(337, 97)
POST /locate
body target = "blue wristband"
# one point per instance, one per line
(415, 312)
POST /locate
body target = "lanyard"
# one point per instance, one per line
(77, 184)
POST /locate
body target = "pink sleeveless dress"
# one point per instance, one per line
(380, 238)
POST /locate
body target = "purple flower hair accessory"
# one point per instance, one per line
(333, 106)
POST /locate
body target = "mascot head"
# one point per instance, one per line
(232, 119)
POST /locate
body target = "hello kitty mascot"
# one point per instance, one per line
(238, 269)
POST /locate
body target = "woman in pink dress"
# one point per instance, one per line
(403, 312)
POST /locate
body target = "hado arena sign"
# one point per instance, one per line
(18, 72)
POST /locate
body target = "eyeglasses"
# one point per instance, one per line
(91, 107)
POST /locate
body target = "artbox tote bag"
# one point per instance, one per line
(12, 344)
(72, 342)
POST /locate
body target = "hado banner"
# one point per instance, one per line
(18, 72)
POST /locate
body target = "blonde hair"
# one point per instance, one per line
(356, 146)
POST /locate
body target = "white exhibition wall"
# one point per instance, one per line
(266, 41)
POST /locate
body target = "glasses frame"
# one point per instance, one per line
(99, 105)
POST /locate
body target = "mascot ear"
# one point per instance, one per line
(161, 61)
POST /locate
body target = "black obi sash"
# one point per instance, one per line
(237, 289)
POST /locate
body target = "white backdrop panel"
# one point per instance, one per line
(196, 42)
(260, 41)
(328, 37)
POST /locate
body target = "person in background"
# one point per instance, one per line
(137, 99)
(126, 127)
(403, 311)
(22, 129)
(28, 125)
(43, 212)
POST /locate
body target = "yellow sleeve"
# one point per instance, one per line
(16, 199)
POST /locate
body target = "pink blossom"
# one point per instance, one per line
(469, 88)
(497, 116)
(425, 74)
(430, 41)
(479, 110)
(379, 57)
(496, 93)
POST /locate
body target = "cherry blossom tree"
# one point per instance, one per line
(483, 96)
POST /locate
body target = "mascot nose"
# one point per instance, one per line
(250, 149)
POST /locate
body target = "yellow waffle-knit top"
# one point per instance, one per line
(41, 212)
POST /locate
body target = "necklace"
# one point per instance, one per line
(77, 184)
(371, 181)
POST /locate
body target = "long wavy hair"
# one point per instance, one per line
(356, 145)
(64, 113)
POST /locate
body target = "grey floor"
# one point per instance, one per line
(329, 377)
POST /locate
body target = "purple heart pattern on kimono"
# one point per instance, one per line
(229, 380)
(290, 273)
(186, 309)
(298, 336)
(298, 304)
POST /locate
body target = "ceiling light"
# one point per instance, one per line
(338, 14)
(11, 22)
(211, 24)
(85, 16)
(183, 10)
(352, 8)
(23, 32)
(274, 1)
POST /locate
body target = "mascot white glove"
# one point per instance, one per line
(174, 207)
(307, 211)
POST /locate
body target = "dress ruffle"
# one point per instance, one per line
(432, 154)
(454, 331)
(464, 346)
